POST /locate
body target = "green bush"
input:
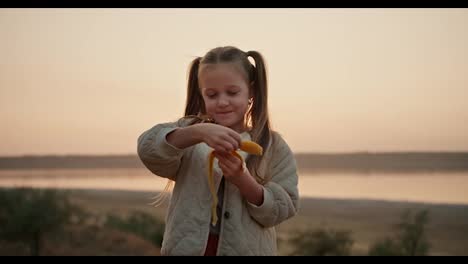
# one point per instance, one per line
(386, 247)
(139, 223)
(322, 242)
(27, 214)
(410, 238)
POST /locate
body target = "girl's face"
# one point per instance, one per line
(225, 90)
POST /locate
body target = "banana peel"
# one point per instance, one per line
(247, 146)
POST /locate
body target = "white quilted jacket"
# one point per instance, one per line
(246, 229)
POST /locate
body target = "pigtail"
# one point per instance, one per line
(261, 130)
(194, 102)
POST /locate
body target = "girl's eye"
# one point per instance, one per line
(211, 95)
(232, 93)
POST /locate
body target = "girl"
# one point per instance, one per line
(226, 104)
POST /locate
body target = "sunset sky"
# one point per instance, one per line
(90, 81)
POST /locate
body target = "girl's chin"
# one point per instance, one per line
(224, 123)
(231, 125)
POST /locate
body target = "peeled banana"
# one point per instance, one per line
(247, 146)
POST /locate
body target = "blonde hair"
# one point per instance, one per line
(257, 117)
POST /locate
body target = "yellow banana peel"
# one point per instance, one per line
(247, 146)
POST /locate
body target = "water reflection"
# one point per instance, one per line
(433, 188)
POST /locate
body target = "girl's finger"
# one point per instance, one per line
(236, 136)
(228, 145)
(233, 159)
(221, 159)
(230, 160)
(232, 142)
(221, 149)
(223, 168)
(219, 155)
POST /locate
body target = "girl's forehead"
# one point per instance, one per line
(221, 68)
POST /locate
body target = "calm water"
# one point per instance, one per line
(430, 187)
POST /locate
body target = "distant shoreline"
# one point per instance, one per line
(304, 200)
(359, 162)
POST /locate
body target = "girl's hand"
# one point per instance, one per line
(235, 174)
(221, 138)
(231, 167)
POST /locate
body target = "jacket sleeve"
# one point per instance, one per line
(160, 157)
(280, 194)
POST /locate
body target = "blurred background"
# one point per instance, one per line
(371, 101)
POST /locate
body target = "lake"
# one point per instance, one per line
(437, 187)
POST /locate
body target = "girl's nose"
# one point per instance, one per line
(223, 101)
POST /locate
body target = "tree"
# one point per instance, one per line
(410, 239)
(322, 242)
(139, 223)
(27, 214)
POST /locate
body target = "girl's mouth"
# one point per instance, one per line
(224, 113)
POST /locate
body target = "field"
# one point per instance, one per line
(368, 220)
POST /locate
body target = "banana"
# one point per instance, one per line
(214, 217)
(251, 148)
(247, 146)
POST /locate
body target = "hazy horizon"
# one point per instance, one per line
(295, 153)
(362, 163)
(90, 81)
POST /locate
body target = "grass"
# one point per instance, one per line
(368, 220)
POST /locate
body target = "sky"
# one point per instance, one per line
(90, 81)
